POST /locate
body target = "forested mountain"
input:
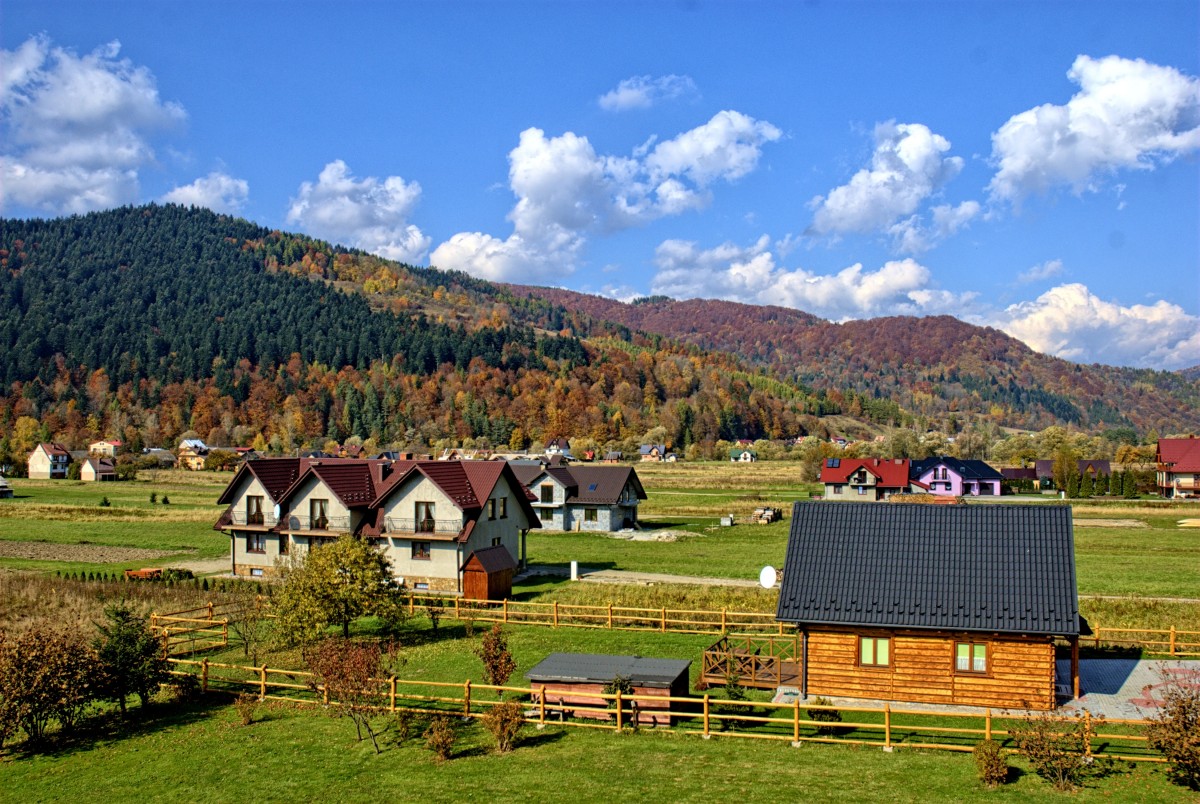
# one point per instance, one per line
(929, 367)
(144, 323)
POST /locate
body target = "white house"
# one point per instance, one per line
(49, 461)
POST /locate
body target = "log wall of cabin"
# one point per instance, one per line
(1020, 672)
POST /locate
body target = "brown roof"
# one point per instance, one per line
(597, 485)
(54, 448)
(276, 475)
(492, 559)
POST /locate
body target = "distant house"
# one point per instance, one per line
(191, 454)
(94, 470)
(840, 441)
(105, 449)
(953, 604)
(1177, 467)
(652, 452)
(867, 479)
(742, 455)
(1044, 469)
(558, 446)
(164, 457)
(585, 498)
(429, 517)
(613, 456)
(957, 477)
(49, 461)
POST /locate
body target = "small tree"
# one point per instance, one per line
(991, 764)
(1174, 731)
(248, 621)
(131, 657)
(1058, 748)
(504, 721)
(348, 673)
(434, 609)
(46, 675)
(623, 685)
(440, 737)
(498, 663)
(333, 584)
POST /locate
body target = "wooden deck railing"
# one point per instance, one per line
(704, 715)
(1170, 641)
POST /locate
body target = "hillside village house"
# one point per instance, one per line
(742, 455)
(105, 449)
(957, 477)
(429, 517)
(94, 470)
(49, 461)
(1177, 467)
(584, 498)
(656, 453)
(867, 479)
(937, 604)
(1044, 470)
(191, 454)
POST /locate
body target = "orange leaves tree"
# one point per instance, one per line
(348, 673)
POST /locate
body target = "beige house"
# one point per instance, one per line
(191, 454)
(104, 449)
(429, 517)
(49, 461)
(97, 469)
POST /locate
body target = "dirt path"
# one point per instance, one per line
(627, 576)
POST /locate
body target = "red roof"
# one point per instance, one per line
(55, 448)
(1183, 454)
(889, 472)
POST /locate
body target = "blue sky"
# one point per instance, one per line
(1028, 166)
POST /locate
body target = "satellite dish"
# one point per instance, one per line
(767, 577)
(276, 512)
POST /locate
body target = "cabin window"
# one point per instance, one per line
(548, 493)
(874, 651)
(970, 657)
(425, 517)
(590, 515)
(318, 514)
(256, 543)
(420, 551)
(491, 509)
(254, 512)
(504, 508)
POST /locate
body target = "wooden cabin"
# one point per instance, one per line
(954, 604)
(578, 680)
(488, 574)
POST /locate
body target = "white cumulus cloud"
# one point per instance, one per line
(913, 236)
(1070, 322)
(216, 191)
(566, 192)
(369, 213)
(76, 129)
(1128, 114)
(750, 274)
(644, 91)
(1042, 271)
(909, 165)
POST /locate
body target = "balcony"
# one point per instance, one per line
(446, 527)
(340, 524)
(262, 520)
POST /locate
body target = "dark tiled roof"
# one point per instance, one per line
(1016, 473)
(966, 469)
(594, 668)
(526, 473)
(492, 559)
(602, 485)
(276, 475)
(995, 568)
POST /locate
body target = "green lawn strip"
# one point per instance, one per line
(203, 753)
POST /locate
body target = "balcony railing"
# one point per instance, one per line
(266, 520)
(337, 523)
(411, 525)
(1187, 485)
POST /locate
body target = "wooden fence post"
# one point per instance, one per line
(262, 684)
(467, 698)
(610, 615)
(225, 633)
(411, 606)
(325, 694)
(542, 707)
(1172, 640)
(1087, 733)
(987, 724)
(210, 610)
(506, 610)
(392, 694)
(456, 616)
(724, 621)
(887, 727)
(618, 710)
(796, 720)
(706, 735)
(662, 623)
(204, 675)
(556, 614)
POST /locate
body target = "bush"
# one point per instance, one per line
(440, 737)
(1174, 732)
(104, 503)
(246, 705)
(403, 725)
(825, 716)
(166, 500)
(1059, 748)
(46, 675)
(498, 663)
(185, 688)
(504, 721)
(623, 685)
(991, 764)
(153, 497)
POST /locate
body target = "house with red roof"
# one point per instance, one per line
(1177, 470)
(428, 517)
(868, 479)
(49, 461)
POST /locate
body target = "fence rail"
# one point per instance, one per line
(1171, 641)
(887, 727)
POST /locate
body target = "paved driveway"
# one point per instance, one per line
(1126, 689)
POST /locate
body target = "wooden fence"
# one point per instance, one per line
(206, 627)
(888, 727)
